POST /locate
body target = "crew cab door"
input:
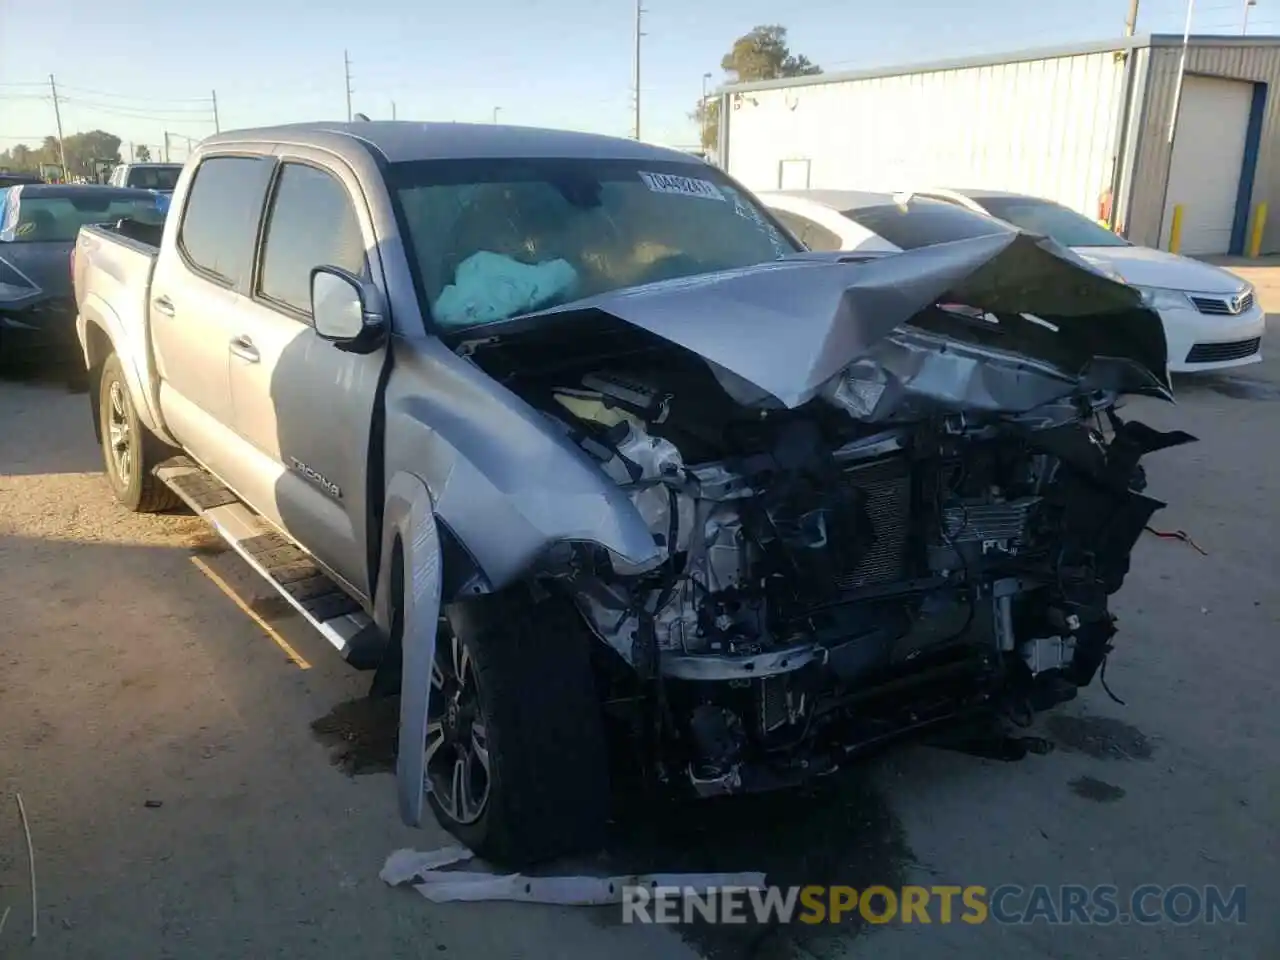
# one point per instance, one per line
(304, 407)
(203, 273)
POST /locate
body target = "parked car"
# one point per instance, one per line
(570, 442)
(830, 220)
(38, 227)
(160, 177)
(1212, 318)
(13, 179)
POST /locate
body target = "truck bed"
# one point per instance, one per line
(114, 263)
(112, 270)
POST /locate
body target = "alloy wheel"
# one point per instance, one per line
(119, 433)
(457, 743)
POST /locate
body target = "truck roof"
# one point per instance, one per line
(399, 141)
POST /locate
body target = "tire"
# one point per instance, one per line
(535, 695)
(130, 451)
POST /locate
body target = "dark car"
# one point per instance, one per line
(38, 227)
(13, 179)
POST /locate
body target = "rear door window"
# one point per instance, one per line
(220, 220)
(922, 223)
(312, 224)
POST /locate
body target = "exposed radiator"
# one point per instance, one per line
(886, 486)
(971, 522)
(974, 530)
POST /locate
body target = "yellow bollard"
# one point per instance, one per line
(1175, 229)
(1259, 224)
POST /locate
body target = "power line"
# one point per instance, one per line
(200, 116)
(138, 109)
(127, 96)
(177, 104)
(204, 117)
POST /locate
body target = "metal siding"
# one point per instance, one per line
(1045, 127)
(1151, 174)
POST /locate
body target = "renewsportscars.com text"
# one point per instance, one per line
(1180, 904)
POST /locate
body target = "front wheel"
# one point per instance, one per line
(130, 452)
(516, 760)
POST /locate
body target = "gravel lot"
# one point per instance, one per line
(183, 803)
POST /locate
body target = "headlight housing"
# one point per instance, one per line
(1161, 298)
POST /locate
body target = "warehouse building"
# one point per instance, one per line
(1088, 126)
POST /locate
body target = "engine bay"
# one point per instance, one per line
(824, 583)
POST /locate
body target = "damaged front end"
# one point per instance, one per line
(874, 512)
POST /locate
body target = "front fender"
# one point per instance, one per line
(505, 481)
(409, 518)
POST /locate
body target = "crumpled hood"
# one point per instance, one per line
(1146, 267)
(788, 327)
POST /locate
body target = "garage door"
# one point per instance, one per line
(1208, 150)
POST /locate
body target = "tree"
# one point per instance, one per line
(142, 153)
(760, 54)
(83, 150)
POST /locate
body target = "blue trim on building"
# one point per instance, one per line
(1248, 168)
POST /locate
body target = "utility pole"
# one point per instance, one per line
(166, 146)
(57, 115)
(217, 127)
(1247, 4)
(346, 68)
(1131, 22)
(495, 114)
(702, 112)
(635, 76)
(393, 109)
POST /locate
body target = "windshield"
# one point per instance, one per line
(57, 219)
(153, 178)
(495, 239)
(1048, 219)
(922, 223)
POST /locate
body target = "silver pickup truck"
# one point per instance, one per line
(569, 441)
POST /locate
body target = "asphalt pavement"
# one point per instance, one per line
(198, 786)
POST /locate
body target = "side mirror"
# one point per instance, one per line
(340, 314)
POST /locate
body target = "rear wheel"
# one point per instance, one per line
(130, 451)
(515, 751)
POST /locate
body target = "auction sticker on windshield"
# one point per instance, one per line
(682, 186)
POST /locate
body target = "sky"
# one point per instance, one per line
(139, 68)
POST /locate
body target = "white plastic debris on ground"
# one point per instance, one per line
(422, 870)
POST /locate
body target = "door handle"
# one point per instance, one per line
(163, 305)
(243, 348)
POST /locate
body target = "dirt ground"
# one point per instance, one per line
(193, 792)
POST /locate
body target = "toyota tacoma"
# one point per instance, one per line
(576, 448)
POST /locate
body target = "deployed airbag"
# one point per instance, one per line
(490, 286)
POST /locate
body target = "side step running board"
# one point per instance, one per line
(296, 577)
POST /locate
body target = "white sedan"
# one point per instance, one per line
(1212, 319)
